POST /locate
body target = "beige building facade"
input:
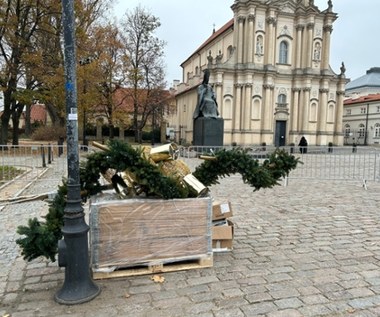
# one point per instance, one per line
(361, 115)
(271, 74)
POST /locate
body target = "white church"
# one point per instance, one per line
(271, 74)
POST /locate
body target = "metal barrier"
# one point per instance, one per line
(338, 163)
(25, 163)
(49, 161)
(318, 162)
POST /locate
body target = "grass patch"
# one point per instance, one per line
(8, 173)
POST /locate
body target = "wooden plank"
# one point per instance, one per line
(199, 263)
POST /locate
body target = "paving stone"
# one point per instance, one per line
(290, 259)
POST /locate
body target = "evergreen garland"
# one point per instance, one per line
(41, 238)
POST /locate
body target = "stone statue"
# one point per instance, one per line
(206, 104)
(342, 69)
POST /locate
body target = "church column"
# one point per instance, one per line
(310, 29)
(268, 107)
(299, 29)
(247, 106)
(237, 112)
(295, 109)
(327, 29)
(219, 99)
(339, 112)
(306, 108)
(250, 39)
(241, 20)
(323, 110)
(270, 40)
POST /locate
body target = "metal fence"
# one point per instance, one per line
(49, 161)
(29, 163)
(318, 162)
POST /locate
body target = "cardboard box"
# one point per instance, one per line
(222, 236)
(221, 210)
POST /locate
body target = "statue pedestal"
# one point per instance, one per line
(208, 131)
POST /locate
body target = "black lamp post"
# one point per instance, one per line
(78, 286)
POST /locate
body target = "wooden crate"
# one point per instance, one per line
(150, 233)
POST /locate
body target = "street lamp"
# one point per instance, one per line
(78, 287)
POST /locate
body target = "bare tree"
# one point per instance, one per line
(146, 70)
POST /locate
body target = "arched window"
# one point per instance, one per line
(196, 70)
(347, 130)
(361, 131)
(255, 113)
(281, 100)
(230, 51)
(313, 112)
(376, 133)
(330, 113)
(283, 58)
(227, 108)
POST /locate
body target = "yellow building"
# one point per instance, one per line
(271, 74)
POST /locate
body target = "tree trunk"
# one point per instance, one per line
(28, 126)
(4, 126)
(16, 115)
(111, 131)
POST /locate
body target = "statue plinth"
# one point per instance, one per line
(208, 131)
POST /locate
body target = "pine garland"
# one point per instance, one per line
(41, 238)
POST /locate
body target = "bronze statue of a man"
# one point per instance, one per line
(206, 104)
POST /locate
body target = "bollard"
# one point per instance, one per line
(49, 153)
(60, 146)
(43, 155)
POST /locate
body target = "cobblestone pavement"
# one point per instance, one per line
(311, 248)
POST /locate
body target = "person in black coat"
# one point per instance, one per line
(303, 145)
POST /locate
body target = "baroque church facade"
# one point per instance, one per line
(271, 74)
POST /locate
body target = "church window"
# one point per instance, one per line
(281, 100)
(284, 47)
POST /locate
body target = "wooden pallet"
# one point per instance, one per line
(199, 263)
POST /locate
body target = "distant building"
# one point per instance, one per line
(361, 115)
(364, 85)
(271, 74)
(38, 116)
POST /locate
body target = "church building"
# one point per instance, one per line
(269, 67)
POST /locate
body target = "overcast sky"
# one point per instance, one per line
(186, 24)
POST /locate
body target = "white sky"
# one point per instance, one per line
(185, 25)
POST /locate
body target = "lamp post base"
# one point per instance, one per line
(83, 293)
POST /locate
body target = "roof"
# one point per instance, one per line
(213, 36)
(38, 113)
(124, 97)
(362, 99)
(370, 79)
